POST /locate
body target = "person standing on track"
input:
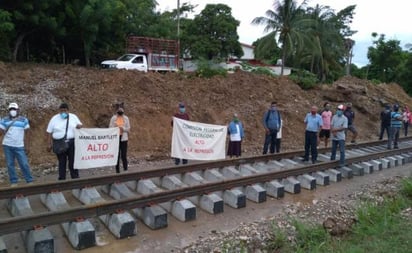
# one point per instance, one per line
(351, 118)
(121, 121)
(16, 144)
(272, 122)
(236, 135)
(406, 115)
(60, 126)
(396, 124)
(326, 115)
(385, 121)
(181, 114)
(313, 123)
(338, 126)
(279, 138)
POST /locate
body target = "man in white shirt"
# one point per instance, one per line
(56, 129)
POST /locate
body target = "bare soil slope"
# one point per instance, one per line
(152, 98)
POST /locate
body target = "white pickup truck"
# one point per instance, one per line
(127, 61)
(147, 54)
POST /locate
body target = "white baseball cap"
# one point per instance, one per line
(13, 105)
(340, 107)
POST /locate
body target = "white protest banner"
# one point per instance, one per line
(96, 147)
(198, 141)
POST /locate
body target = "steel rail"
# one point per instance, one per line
(16, 224)
(39, 188)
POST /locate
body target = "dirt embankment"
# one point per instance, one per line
(152, 98)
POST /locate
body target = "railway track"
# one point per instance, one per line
(152, 195)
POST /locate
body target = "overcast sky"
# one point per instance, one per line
(391, 18)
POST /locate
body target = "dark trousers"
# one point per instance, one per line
(122, 155)
(405, 127)
(384, 127)
(177, 161)
(277, 145)
(63, 158)
(270, 139)
(234, 148)
(393, 137)
(311, 143)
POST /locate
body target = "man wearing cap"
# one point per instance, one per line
(56, 129)
(15, 144)
(396, 124)
(181, 114)
(339, 124)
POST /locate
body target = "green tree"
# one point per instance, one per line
(6, 27)
(5, 22)
(267, 49)
(29, 17)
(86, 19)
(344, 20)
(326, 43)
(385, 57)
(405, 73)
(212, 34)
(286, 20)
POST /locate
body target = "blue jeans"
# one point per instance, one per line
(341, 144)
(12, 153)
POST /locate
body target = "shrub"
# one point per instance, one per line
(263, 71)
(305, 79)
(406, 189)
(208, 69)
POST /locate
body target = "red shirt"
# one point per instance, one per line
(184, 116)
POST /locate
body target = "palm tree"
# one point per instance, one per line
(285, 20)
(326, 40)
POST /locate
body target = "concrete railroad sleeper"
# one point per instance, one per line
(237, 179)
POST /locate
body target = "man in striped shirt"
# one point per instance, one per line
(13, 128)
(396, 124)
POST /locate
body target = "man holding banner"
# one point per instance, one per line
(96, 147)
(181, 114)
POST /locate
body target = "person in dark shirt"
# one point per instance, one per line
(385, 121)
(351, 118)
(272, 123)
(181, 114)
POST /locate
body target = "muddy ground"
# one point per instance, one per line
(152, 98)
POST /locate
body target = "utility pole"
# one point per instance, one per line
(178, 31)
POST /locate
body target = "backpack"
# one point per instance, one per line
(386, 116)
(349, 115)
(279, 121)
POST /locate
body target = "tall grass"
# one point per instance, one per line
(380, 228)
